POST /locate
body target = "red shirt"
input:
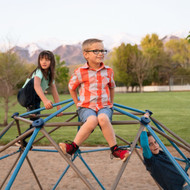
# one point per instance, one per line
(94, 86)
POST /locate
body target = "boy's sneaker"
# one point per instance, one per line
(68, 148)
(123, 154)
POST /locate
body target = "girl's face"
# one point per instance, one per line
(154, 146)
(45, 63)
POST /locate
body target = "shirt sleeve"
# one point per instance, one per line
(112, 82)
(73, 82)
(38, 73)
(144, 144)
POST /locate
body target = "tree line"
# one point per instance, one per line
(150, 63)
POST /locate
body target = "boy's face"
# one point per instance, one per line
(91, 57)
(154, 146)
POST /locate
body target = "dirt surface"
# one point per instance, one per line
(50, 165)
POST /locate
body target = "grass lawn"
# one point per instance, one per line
(170, 108)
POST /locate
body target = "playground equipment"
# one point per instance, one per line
(41, 124)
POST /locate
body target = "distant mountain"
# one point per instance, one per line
(29, 52)
(72, 54)
(169, 37)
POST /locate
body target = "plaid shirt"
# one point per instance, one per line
(94, 86)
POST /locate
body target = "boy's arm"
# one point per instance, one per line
(112, 95)
(73, 94)
(144, 144)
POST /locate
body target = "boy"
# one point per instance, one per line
(159, 165)
(96, 92)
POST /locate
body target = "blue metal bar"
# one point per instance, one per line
(129, 108)
(6, 129)
(178, 167)
(24, 154)
(172, 143)
(7, 155)
(127, 113)
(89, 169)
(58, 111)
(41, 109)
(43, 150)
(64, 172)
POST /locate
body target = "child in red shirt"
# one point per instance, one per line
(96, 91)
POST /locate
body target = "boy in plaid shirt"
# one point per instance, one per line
(96, 91)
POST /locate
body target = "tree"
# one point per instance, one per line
(62, 75)
(141, 67)
(13, 72)
(179, 51)
(153, 50)
(188, 38)
(120, 58)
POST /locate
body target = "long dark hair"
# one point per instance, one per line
(48, 55)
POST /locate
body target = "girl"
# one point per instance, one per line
(32, 92)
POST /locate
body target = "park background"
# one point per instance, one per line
(147, 48)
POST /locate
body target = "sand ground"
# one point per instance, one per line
(50, 165)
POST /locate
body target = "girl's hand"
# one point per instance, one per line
(48, 104)
(60, 114)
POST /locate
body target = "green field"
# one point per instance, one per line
(170, 108)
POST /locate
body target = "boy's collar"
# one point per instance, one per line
(86, 65)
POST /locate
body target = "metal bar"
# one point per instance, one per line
(64, 172)
(129, 108)
(67, 159)
(48, 114)
(22, 159)
(170, 138)
(10, 170)
(126, 162)
(127, 113)
(89, 169)
(57, 127)
(140, 157)
(11, 154)
(172, 133)
(15, 140)
(6, 129)
(35, 176)
(58, 111)
(80, 123)
(172, 143)
(178, 167)
(41, 109)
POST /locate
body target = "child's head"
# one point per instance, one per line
(93, 50)
(46, 62)
(153, 145)
(48, 57)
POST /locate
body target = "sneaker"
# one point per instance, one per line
(68, 148)
(123, 154)
(30, 108)
(18, 143)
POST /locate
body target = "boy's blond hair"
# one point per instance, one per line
(89, 42)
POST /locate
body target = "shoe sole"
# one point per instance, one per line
(63, 147)
(17, 144)
(126, 156)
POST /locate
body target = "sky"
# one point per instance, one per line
(52, 22)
